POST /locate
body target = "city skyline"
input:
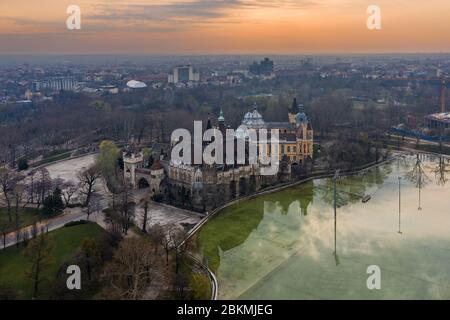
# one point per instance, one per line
(223, 27)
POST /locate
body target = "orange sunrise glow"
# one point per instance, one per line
(224, 26)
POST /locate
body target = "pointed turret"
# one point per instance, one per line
(209, 125)
(293, 110)
(221, 118)
(294, 107)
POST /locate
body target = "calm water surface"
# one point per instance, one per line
(282, 245)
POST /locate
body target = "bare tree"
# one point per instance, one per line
(8, 180)
(93, 206)
(68, 188)
(165, 237)
(88, 179)
(34, 231)
(144, 205)
(126, 209)
(132, 269)
(25, 237)
(41, 186)
(4, 231)
(18, 235)
(38, 253)
(179, 244)
(18, 194)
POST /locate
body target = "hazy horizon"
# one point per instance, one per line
(224, 27)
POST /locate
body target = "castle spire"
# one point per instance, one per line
(221, 118)
(294, 108)
(209, 125)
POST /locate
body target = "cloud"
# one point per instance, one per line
(159, 16)
(184, 12)
(33, 23)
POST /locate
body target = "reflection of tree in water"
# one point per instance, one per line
(352, 189)
(419, 177)
(441, 170)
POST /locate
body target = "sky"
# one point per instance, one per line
(223, 27)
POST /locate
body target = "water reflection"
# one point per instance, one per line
(400, 206)
(335, 253)
(352, 189)
(288, 245)
(419, 177)
(441, 171)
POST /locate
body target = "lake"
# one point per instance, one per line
(284, 245)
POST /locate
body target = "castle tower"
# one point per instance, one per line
(157, 176)
(131, 162)
(293, 110)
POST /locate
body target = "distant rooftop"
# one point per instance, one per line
(136, 84)
(442, 117)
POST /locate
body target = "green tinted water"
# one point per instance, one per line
(281, 246)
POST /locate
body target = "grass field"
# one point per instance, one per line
(14, 266)
(27, 217)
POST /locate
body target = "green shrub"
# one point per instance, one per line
(22, 164)
(75, 223)
(53, 204)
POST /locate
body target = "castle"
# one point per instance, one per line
(204, 187)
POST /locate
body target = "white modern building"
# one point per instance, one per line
(134, 84)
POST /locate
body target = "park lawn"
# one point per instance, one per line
(27, 217)
(65, 242)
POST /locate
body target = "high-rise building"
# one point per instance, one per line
(183, 74)
(264, 68)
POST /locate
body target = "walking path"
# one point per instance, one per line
(66, 170)
(69, 215)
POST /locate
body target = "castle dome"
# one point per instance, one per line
(253, 119)
(301, 117)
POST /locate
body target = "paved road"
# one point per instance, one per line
(67, 170)
(74, 214)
